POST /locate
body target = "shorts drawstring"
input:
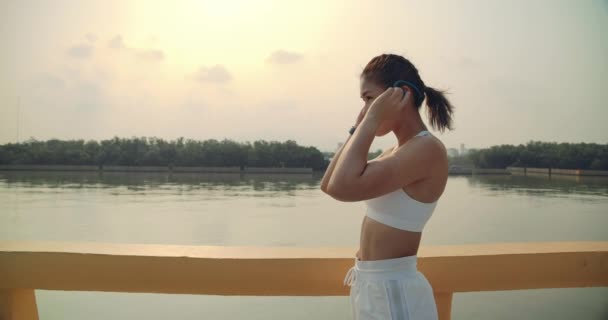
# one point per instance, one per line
(351, 277)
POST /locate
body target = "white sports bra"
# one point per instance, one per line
(397, 209)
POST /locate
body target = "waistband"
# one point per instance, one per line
(382, 269)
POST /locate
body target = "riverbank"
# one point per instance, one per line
(453, 170)
(556, 172)
(457, 170)
(160, 169)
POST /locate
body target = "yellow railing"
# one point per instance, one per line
(280, 271)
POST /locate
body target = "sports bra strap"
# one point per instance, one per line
(423, 133)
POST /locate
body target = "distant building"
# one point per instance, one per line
(463, 150)
(453, 152)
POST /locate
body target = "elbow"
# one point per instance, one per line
(327, 190)
(324, 188)
(338, 192)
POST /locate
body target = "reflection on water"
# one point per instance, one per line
(231, 184)
(541, 185)
(533, 185)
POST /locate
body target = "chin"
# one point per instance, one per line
(383, 129)
(381, 133)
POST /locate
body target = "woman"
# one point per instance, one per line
(400, 187)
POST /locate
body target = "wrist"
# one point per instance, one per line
(371, 120)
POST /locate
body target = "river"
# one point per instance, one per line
(290, 210)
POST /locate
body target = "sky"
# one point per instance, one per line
(282, 70)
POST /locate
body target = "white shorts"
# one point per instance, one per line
(390, 289)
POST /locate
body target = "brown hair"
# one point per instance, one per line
(386, 69)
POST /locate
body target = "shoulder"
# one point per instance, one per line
(386, 152)
(428, 143)
(424, 147)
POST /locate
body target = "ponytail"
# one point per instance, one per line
(439, 109)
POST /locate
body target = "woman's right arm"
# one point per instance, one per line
(330, 169)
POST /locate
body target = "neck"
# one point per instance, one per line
(409, 127)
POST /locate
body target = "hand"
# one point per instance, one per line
(361, 115)
(388, 104)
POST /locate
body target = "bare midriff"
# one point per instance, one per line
(379, 241)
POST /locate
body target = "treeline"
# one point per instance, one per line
(228, 153)
(159, 152)
(536, 154)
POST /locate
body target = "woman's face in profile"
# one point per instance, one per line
(369, 91)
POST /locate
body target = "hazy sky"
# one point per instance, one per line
(278, 69)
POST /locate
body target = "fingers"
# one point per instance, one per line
(397, 91)
(405, 96)
(361, 115)
(397, 94)
(400, 92)
(363, 110)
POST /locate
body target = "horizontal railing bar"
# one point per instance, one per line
(289, 271)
